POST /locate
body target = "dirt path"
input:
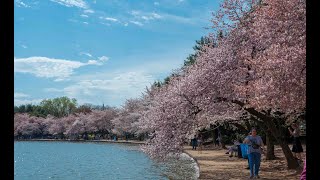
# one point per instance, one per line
(215, 164)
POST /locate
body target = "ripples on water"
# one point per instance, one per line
(93, 161)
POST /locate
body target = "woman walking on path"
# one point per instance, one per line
(297, 147)
(254, 153)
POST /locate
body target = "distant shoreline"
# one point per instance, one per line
(68, 140)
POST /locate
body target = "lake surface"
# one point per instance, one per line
(93, 161)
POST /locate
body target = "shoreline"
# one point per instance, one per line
(102, 141)
(197, 166)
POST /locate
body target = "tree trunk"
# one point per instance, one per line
(223, 145)
(214, 136)
(248, 125)
(270, 146)
(240, 127)
(292, 163)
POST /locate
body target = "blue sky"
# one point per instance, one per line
(101, 51)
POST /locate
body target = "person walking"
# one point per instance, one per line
(255, 144)
(297, 147)
(194, 143)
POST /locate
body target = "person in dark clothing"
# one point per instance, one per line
(216, 142)
(194, 143)
(297, 147)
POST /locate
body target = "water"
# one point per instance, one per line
(93, 161)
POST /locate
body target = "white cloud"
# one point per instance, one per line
(93, 62)
(180, 19)
(72, 3)
(53, 90)
(148, 16)
(85, 23)
(83, 15)
(18, 102)
(22, 98)
(155, 15)
(111, 19)
(144, 16)
(60, 69)
(107, 24)
(22, 45)
(108, 19)
(85, 53)
(135, 12)
(103, 58)
(89, 11)
(156, 3)
(151, 16)
(115, 87)
(20, 95)
(73, 20)
(137, 23)
(19, 3)
(125, 24)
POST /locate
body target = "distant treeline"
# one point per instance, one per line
(57, 107)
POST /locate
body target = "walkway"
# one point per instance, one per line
(215, 164)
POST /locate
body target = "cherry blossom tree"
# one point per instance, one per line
(78, 127)
(272, 53)
(257, 67)
(99, 121)
(246, 71)
(19, 120)
(128, 116)
(57, 126)
(26, 126)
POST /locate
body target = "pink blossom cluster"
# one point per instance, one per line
(260, 63)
